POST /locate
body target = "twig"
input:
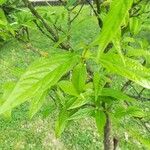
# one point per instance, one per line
(42, 30)
(45, 24)
(95, 12)
(77, 13)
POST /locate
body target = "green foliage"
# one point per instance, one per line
(39, 77)
(79, 77)
(132, 69)
(85, 87)
(2, 2)
(100, 118)
(112, 23)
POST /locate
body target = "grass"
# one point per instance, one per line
(20, 133)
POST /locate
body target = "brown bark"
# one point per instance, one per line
(108, 141)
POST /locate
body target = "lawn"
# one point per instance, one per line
(38, 134)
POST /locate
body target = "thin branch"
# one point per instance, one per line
(77, 13)
(45, 24)
(98, 3)
(95, 12)
(141, 92)
(38, 26)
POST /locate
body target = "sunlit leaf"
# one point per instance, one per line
(112, 23)
(82, 113)
(100, 118)
(79, 77)
(39, 77)
(82, 99)
(116, 94)
(99, 81)
(68, 87)
(36, 103)
(61, 122)
(133, 70)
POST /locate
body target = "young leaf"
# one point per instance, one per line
(116, 94)
(68, 87)
(8, 87)
(39, 77)
(135, 25)
(79, 77)
(112, 23)
(117, 44)
(133, 111)
(100, 119)
(82, 113)
(99, 81)
(61, 122)
(82, 99)
(133, 70)
(36, 103)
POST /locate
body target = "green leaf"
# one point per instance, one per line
(2, 2)
(112, 23)
(8, 87)
(79, 77)
(3, 19)
(82, 113)
(99, 81)
(133, 111)
(117, 44)
(39, 77)
(68, 87)
(36, 103)
(116, 94)
(138, 52)
(100, 119)
(61, 122)
(82, 99)
(133, 70)
(135, 25)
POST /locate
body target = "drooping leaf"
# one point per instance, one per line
(8, 87)
(116, 94)
(79, 77)
(82, 113)
(135, 111)
(39, 77)
(61, 122)
(117, 44)
(135, 25)
(133, 52)
(68, 87)
(3, 19)
(81, 100)
(133, 70)
(132, 111)
(99, 81)
(112, 23)
(100, 119)
(36, 103)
